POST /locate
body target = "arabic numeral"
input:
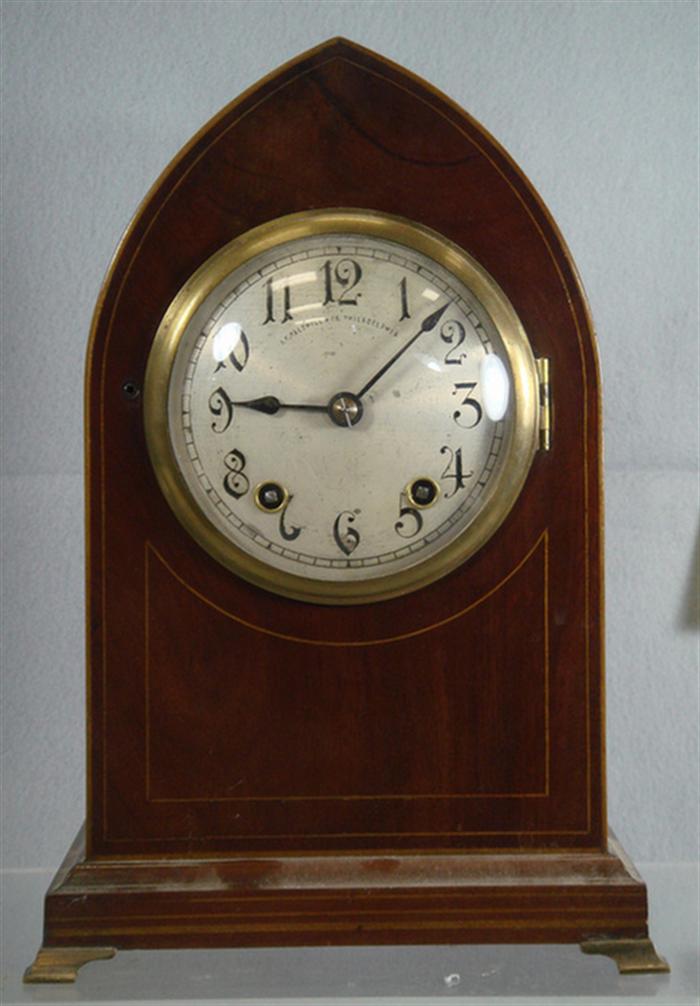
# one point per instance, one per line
(288, 533)
(346, 537)
(346, 274)
(220, 405)
(454, 332)
(454, 470)
(403, 291)
(274, 292)
(236, 483)
(238, 356)
(410, 520)
(475, 415)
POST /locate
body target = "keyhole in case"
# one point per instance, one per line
(131, 390)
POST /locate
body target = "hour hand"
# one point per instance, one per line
(271, 405)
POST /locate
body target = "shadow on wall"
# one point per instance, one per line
(689, 617)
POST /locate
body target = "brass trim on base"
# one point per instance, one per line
(633, 957)
(61, 964)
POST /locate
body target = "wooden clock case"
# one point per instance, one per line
(267, 772)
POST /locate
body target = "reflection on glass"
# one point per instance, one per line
(225, 340)
(305, 307)
(428, 361)
(495, 387)
(294, 280)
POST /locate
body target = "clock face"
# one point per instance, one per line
(341, 406)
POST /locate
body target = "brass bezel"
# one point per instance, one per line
(506, 485)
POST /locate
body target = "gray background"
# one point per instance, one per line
(596, 101)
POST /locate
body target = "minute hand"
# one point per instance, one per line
(428, 323)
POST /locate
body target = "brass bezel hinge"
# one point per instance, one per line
(543, 370)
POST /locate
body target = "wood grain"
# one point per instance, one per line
(347, 900)
(210, 728)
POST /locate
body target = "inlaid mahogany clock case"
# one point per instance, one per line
(264, 771)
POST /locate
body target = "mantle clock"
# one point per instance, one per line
(345, 624)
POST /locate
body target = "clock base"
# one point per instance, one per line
(95, 906)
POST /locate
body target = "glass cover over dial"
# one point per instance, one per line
(341, 406)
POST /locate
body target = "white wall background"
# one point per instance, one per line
(597, 101)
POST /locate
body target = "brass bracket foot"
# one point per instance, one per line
(61, 964)
(633, 957)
